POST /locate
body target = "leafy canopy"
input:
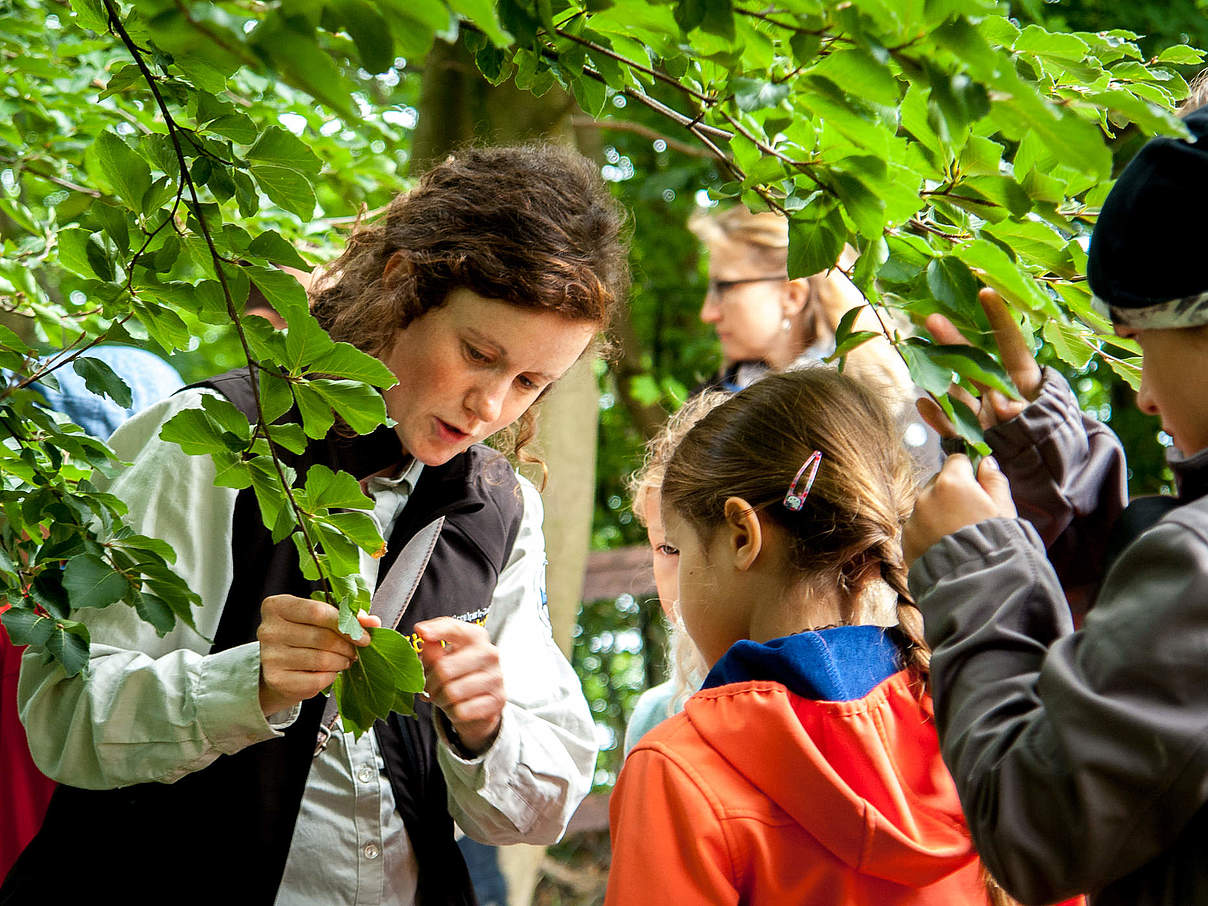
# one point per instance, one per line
(159, 159)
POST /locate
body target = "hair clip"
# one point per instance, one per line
(794, 501)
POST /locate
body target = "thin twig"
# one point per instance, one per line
(639, 129)
(262, 427)
(653, 73)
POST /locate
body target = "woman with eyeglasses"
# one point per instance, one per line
(767, 322)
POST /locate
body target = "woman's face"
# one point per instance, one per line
(748, 316)
(472, 367)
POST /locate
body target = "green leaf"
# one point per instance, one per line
(280, 147)
(91, 582)
(358, 404)
(370, 33)
(1073, 345)
(865, 207)
(68, 644)
(953, 285)
(757, 94)
(361, 530)
(305, 340)
(164, 325)
(82, 253)
(1000, 273)
(235, 126)
(926, 373)
(26, 626)
(286, 187)
(1181, 55)
(283, 292)
(816, 237)
(102, 380)
(344, 360)
(385, 670)
(316, 413)
(846, 340)
(325, 488)
(484, 14)
(972, 364)
(92, 15)
(155, 610)
(590, 94)
(196, 432)
(860, 74)
(272, 246)
(123, 167)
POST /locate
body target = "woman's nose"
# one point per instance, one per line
(486, 399)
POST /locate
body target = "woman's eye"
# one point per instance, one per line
(526, 383)
(475, 355)
(667, 550)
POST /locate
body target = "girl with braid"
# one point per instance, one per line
(807, 769)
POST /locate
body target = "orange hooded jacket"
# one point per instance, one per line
(754, 795)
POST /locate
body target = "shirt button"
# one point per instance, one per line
(365, 773)
(372, 851)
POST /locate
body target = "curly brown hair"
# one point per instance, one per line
(532, 225)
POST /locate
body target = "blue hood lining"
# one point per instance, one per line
(843, 663)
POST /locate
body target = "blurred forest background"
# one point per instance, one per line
(434, 98)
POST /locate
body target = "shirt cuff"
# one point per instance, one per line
(228, 699)
(491, 774)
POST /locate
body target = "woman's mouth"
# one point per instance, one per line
(450, 433)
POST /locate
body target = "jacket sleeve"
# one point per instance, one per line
(1068, 478)
(529, 782)
(1078, 756)
(150, 708)
(667, 844)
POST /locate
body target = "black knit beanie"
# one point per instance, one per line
(1148, 262)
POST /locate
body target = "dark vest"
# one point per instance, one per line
(222, 834)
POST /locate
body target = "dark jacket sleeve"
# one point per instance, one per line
(1078, 756)
(1068, 478)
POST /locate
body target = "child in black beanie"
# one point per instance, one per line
(1081, 757)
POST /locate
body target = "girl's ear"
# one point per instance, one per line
(744, 534)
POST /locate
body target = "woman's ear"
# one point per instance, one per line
(796, 295)
(397, 265)
(744, 533)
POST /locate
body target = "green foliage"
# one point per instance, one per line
(149, 184)
(158, 159)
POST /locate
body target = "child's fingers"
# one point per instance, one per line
(930, 411)
(1016, 358)
(944, 331)
(995, 484)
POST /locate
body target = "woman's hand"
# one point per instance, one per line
(301, 650)
(464, 679)
(953, 500)
(992, 407)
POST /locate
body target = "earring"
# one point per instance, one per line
(786, 324)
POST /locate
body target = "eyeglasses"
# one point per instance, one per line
(721, 287)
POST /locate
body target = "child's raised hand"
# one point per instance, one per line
(953, 500)
(992, 407)
(463, 678)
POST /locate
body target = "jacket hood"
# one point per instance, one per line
(829, 727)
